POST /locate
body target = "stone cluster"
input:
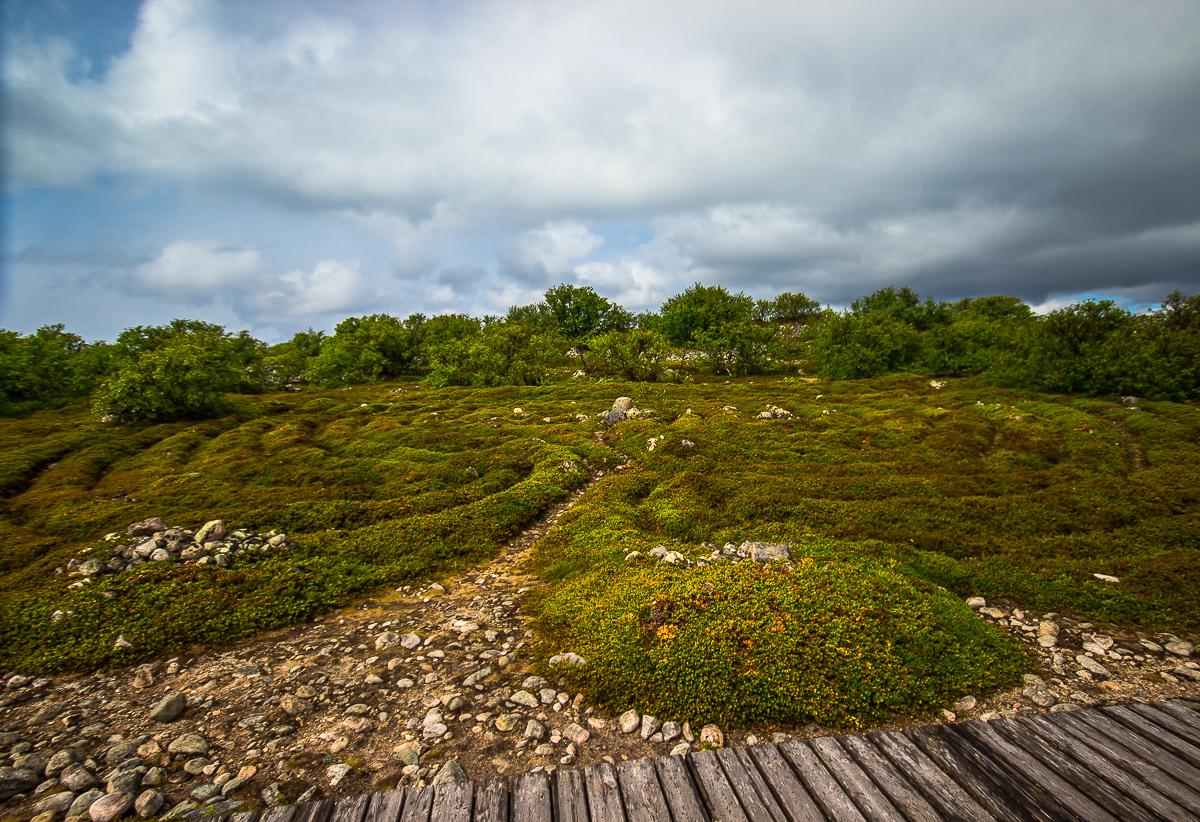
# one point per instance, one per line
(154, 541)
(730, 553)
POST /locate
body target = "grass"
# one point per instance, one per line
(901, 500)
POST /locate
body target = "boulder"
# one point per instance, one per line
(110, 807)
(189, 744)
(212, 531)
(147, 527)
(16, 781)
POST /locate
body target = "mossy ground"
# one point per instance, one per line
(902, 500)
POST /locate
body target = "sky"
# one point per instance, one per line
(279, 165)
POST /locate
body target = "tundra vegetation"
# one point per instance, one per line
(934, 451)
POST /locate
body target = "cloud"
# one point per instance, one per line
(1037, 149)
(198, 273)
(542, 256)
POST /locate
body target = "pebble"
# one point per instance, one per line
(629, 722)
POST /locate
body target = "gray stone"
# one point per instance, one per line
(767, 551)
(203, 793)
(386, 640)
(111, 807)
(612, 417)
(962, 706)
(294, 706)
(161, 555)
(629, 722)
(235, 784)
(409, 641)
(576, 734)
(1153, 647)
(83, 802)
(77, 778)
(129, 782)
(1092, 666)
(622, 404)
(154, 777)
(189, 745)
(35, 762)
(213, 531)
(55, 803)
(477, 677)
(976, 602)
(525, 698)
(670, 731)
(535, 730)
(1039, 695)
(1180, 648)
(547, 696)
(1185, 671)
(118, 753)
(434, 730)
(450, 772)
(507, 722)
(409, 753)
(169, 708)
(650, 725)
(148, 803)
(148, 527)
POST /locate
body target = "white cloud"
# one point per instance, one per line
(197, 272)
(629, 282)
(333, 286)
(544, 255)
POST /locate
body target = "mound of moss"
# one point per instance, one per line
(840, 642)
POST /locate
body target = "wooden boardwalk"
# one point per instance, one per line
(1137, 762)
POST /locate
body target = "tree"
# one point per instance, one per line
(853, 346)
(49, 366)
(366, 349)
(905, 305)
(792, 308)
(636, 355)
(684, 317)
(184, 369)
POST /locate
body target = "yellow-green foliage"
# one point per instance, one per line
(836, 641)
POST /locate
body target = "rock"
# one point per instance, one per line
(767, 551)
(1180, 648)
(622, 404)
(1039, 695)
(169, 708)
(1064, 706)
(1091, 666)
(687, 445)
(576, 734)
(129, 782)
(1185, 671)
(681, 749)
(670, 731)
(236, 784)
(83, 802)
(650, 726)
(612, 417)
(478, 676)
(48, 816)
(160, 555)
(434, 730)
(294, 706)
(994, 613)
(629, 722)
(1153, 647)
(386, 640)
(507, 722)
(964, 705)
(147, 527)
(711, 735)
(1047, 628)
(409, 641)
(77, 778)
(450, 772)
(976, 602)
(118, 753)
(189, 744)
(408, 752)
(336, 773)
(203, 793)
(1047, 640)
(60, 762)
(525, 698)
(155, 777)
(55, 803)
(568, 659)
(1106, 578)
(35, 762)
(535, 730)
(212, 531)
(148, 803)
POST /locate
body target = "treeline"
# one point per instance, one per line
(188, 368)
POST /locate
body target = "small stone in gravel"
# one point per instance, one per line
(670, 731)
(337, 773)
(576, 734)
(976, 602)
(535, 730)
(1091, 666)
(680, 749)
(964, 705)
(203, 793)
(77, 778)
(1180, 648)
(57, 803)
(506, 722)
(650, 726)
(525, 698)
(189, 744)
(629, 722)
(409, 641)
(60, 762)
(84, 801)
(1039, 695)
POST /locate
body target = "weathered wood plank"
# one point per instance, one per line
(952, 802)
(491, 801)
(1057, 789)
(317, 811)
(417, 804)
(603, 793)
(570, 796)
(351, 808)
(244, 816)
(789, 792)
(280, 814)
(452, 802)
(644, 800)
(679, 790)
(1181, 712)
(531, 800)
(757, 801)
(1165, 783)
(718, 795)
(957, 758)
(1074, 771)
(821, 786)
(857, 785)
(883, 773)
(1164, 720)
(385, 806)
(1155, 733)
(1154, 754)
(1113, 773)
